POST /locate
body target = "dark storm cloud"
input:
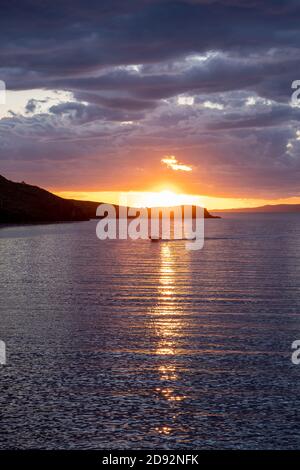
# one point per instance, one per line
(59, 44)
(115, 102)
(80, 113)
(216, 74)
(50, 39)
(276, 116)
(127, 62)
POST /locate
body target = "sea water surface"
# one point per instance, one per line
(140, 345)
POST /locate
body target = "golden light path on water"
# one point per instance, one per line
(168, 324)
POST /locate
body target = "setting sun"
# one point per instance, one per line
(164, 198)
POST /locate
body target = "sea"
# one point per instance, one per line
(130, 344)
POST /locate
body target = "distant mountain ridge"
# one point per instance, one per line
(90, 207)
(22, 203)
(288, 208)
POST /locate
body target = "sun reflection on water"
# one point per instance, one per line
(168, 321)
(168, 324)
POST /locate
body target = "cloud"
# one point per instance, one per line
(206, 80)
(172, 163)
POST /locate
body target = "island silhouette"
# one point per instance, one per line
(22, 203)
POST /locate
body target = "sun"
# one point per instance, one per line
(159, 199)
(165, 198)
(168, 198)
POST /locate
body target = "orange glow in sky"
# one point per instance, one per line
(168, 197)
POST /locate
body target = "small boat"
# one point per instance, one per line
(155, 239)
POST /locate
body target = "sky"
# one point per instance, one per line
(190, 96)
